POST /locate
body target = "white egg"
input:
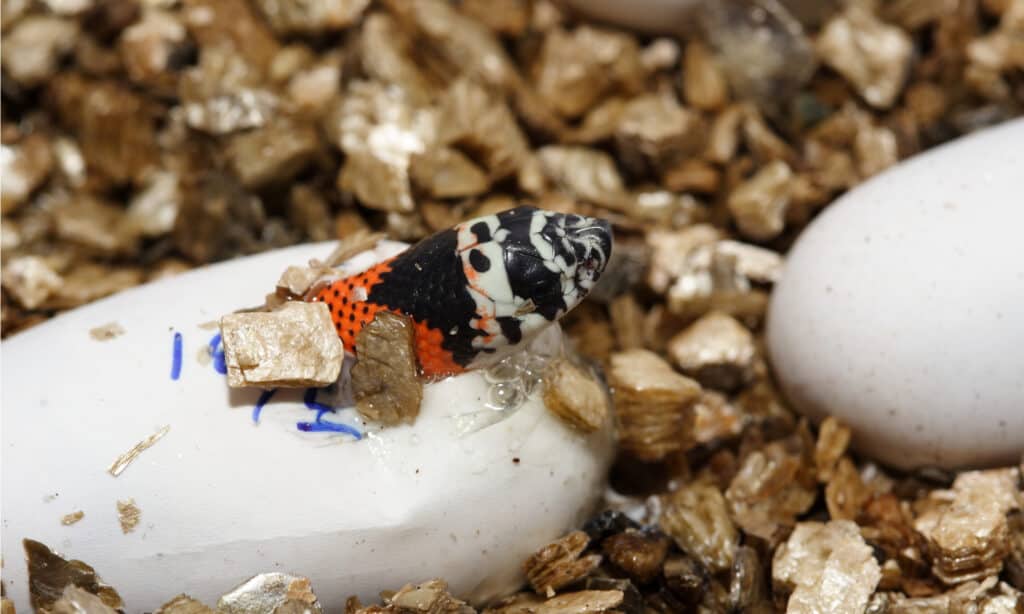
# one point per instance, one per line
(465, 494)
(901, 308)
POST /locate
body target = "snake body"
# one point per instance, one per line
(479, 290)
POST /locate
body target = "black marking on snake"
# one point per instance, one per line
(479, 261)
(511, 329)
(427, 281)
(482, 232)
(527, 275)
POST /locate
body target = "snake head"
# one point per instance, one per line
(527, 267)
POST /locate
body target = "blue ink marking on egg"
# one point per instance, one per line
(319, 425)
(260, 402)
(176, 357)
(217, 352)
(310, 400)
(325, 426)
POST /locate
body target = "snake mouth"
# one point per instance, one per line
(591, 241)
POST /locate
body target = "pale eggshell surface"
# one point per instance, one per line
(466, 493)
(901, 308)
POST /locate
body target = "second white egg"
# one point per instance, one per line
(901, 308)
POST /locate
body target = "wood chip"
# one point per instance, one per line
(704, 84)
(653, 403)
(575, 396)
(30, 280)
(385, 378)
(106, 332)
(759, 204)
(128, 515)
(966, 530)
(49, 573)
(559, 563)
(871, 54)
(75, 600)
(583, 602)
(833, 438)
(359, 241)
(696, 516)
(627, 321)
(270, 592)
(294, 346)
(122, 461)
(829, 567)
(716, 350)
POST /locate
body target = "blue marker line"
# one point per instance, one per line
(217, 352)
(310, 400)
(176, 357)
(260, 402)
(319, 425)
(325, 426)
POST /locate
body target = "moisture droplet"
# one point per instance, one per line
(535, 363)
(505, 371)
(531, 381)
(533, 373)
(506, 395)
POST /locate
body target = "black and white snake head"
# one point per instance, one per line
(527, 267)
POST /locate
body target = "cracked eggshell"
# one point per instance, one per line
(901, 308)
(466, 493)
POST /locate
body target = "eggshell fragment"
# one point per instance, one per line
(236, 487)
(901, 308)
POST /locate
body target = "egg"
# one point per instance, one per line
(231, 487)
(901, 308)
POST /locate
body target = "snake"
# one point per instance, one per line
(480, 290)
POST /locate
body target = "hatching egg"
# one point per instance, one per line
(901, 308)
(236, 486)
